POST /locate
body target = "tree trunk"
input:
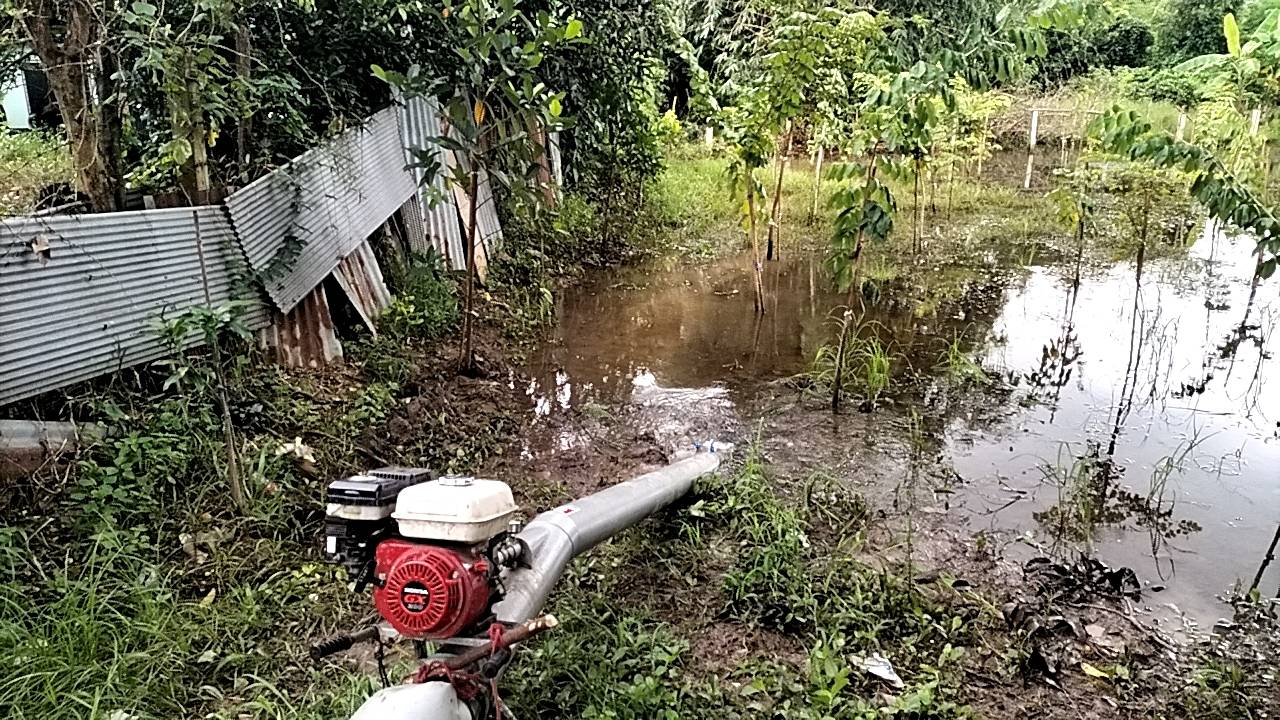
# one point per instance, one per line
(244, 124)
(918, 220)
(777, 198)
(78, 69)
(817, 186)
(755, 241)
(467, 362)
(199, 145)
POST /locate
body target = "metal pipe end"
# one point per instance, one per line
(718, 447)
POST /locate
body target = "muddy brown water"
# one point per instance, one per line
(1158, 377)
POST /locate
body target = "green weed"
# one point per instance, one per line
(29, 162)
(1219, 690)
(864, 368)
(625, 646)
(426, 303)
(959, 367)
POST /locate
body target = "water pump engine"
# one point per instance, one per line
(434, 560)
(358, 516)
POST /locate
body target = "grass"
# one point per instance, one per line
(1065, 111)
(958, 365)
(692, 200)
(765, 563)
(133, 588)
(29, 162)
(119, 634)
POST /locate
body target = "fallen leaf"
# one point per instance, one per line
(1092, 671)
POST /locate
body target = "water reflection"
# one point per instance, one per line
(1160, 434)
(1140, 418)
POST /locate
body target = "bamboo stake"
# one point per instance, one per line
(817, 184)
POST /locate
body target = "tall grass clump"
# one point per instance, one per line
(859, 365)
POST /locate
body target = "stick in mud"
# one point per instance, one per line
(1266, 560)
(517, 634)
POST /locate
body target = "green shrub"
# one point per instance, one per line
(1168, 85)
(29, 162)
(426, 304)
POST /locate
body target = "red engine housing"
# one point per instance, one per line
(429, 592)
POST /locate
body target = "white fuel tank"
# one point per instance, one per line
(454, 509)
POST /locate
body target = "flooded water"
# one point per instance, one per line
(1162, 371)
(1133, 415)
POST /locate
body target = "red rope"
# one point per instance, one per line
(496, 631)
(467, 685)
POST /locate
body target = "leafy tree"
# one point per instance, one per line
(1191, 27)
(750, 143)
(490, 102)
(611, 81)
(74, 42)
(180, 57)
(1228, 198)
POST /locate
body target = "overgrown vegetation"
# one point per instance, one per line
(172, 571)
(31, 164)
(765, 563)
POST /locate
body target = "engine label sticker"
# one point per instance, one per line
(415, 597)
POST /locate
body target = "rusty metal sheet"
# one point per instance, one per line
(80, 295)
(360, 278)
(305, 336)
(297, 223)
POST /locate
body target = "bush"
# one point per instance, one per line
(1124, 43)
(1168, 85)
(30, 162)
(426, 305)
(1189, 28)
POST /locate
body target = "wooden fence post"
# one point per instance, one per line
(1031, 148)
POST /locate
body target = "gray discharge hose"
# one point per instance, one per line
(553, 538)
(557, 536)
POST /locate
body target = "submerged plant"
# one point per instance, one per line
(875, 366)
(855, 365)
(959, 366)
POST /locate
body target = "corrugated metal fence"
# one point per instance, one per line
(80, 295)
(421, 121)
(321, 206)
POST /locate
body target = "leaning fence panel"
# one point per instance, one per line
(420, 118)
(297, 223)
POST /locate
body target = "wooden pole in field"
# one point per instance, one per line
(817, 184)
(1031, 148)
